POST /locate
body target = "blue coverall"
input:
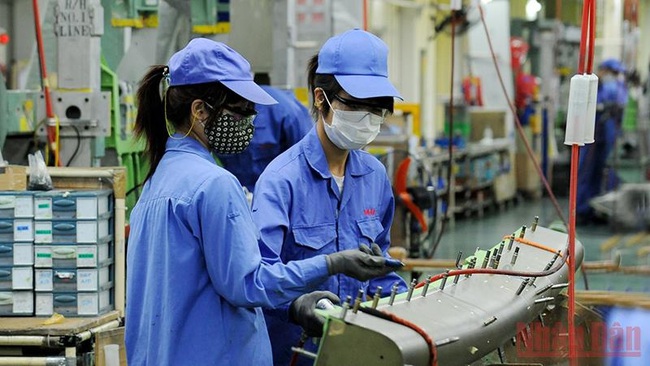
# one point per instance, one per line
(593, 157)
(195, 276)
(301, 214)
(277, 128)
(628, 337)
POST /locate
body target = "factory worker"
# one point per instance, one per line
(324, 194)
(277, 128)
(595, 177)
(195, 276)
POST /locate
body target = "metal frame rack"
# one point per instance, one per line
(72, 333)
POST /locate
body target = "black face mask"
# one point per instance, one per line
(230, 133)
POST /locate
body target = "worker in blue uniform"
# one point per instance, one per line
(195, 276)
(594, 175)
(627, 335)
(324, 194)
(277, 128)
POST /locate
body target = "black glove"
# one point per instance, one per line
(302, 312)
(362, 264)
(376, 250)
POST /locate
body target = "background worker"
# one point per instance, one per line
(195, 276)
(324, 194)
(277, 128)
(594, 175)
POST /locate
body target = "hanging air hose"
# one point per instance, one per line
(52, 123)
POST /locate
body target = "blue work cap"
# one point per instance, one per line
(206, 61)
(612, 64)
(359, 62)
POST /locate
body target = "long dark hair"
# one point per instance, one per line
(150, 120)
(330, 86)
(327, 82)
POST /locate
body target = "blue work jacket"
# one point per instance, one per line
(301, 214)
(195, 277)
(277, 128)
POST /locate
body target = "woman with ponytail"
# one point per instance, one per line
(195, 277)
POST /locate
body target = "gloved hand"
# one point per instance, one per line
(302, 312)
(362, 264)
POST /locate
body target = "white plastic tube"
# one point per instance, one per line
(577, 110)
(32, 361)
(590, 119)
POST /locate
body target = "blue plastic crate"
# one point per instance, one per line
(16, 278)
(72, 279)
(16, 204)
(74, 303)
(16, 230)
(73, 255)
(16, 303)
(73, 231)
(73, 204)
(16, 254)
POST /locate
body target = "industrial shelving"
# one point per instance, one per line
(73, 335)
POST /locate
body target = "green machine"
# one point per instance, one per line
(92, 98)
(128, 151)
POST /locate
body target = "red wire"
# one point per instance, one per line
(592, 37)
(573, 189)
(493, 271)
(587, 44)
(433, 352)
(520, 129)
(583, 38)
(365, 14)
(301, 343)
(51, 130)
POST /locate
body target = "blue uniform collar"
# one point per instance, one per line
(315, 155)
(188, 144)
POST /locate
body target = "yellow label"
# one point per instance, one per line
(223, 27)
(23, 124)
(135, 23)
(151, 21)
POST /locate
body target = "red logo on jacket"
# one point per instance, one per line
(369, 212)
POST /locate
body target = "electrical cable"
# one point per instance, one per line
(133, 189)
(532, 244)
(294, 354)
(587, 43)
(520, 129)
(450, 186)
(433, 352)
(492, 271)
(76, 149)
(52, 131)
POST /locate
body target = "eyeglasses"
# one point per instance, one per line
(244, 112)
(356, 104)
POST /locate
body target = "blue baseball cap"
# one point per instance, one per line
(612, 64)
(205, 61)
(359, 62)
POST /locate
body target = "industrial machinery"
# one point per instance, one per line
(462, 316)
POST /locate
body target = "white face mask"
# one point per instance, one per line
(351, 130)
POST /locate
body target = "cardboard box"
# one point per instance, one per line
(504, 187)
(527, 178)
(13, 178)
(480, 119)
